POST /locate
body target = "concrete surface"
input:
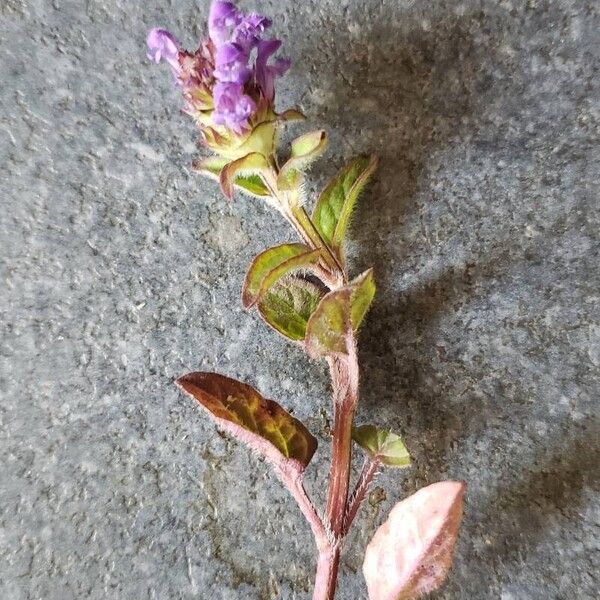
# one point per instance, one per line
(121, 269)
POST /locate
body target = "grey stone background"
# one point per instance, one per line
(121, 269)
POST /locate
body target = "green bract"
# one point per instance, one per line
(252, 164)
(381, 445)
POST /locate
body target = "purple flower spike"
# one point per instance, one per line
(222, 18)
(228, 81)
(232, 107)
(162, 44)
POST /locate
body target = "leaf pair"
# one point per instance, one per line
(244, 173)
(297, 308)
(260, 423)
(338, 316)
(285, 301)
(411, 553)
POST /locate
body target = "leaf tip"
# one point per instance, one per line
(225, 184)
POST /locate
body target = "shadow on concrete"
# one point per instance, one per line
(424, 89)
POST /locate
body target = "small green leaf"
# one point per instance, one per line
(288, 305)
(253, 185)
(362, 296)
(309, 145)
(305, 149)
(329, 326)
(337, 201)
(251, 164)
(385, 446)
(339, 314)
(260, 423)
(271, 265)
(211, 166)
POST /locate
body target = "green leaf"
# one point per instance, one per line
(337, 201)
(273, 264)
(328, 328)
(338, 315)
(211, 166)
(253, 185)
(411, 553)
(384, 446)
(305, 149)
(362, 296)
(288, 305)
(260, 423)
(251, 164)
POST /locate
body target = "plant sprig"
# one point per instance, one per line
(303, 290)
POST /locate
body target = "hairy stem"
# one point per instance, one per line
(299, 219)
(327, 572)
(317, 241)
(339, 478)
(344, 375)
(369, 470)
(294, 484)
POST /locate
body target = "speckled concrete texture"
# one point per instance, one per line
(121, 269)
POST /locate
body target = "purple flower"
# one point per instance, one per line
(247, 33)
(265, 74)
(222, 18)
(233, 108)
(231, 64)
(235, 36)
(162, 44)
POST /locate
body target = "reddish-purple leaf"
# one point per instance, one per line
(260, 423)
(411, 553)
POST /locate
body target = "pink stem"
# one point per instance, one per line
(327, 571)
(293, 482)
(369, 470)
(329, 549)
(344, 376)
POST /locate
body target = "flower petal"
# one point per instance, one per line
(247, 33)
(163, 44)
(223, 16)
(232, 107)
(265, 74)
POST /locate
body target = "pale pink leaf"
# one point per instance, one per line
(411, 553)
